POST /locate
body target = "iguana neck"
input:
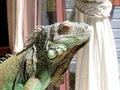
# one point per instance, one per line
(40, 45)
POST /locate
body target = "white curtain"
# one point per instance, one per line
(22, 18)
(15, 26)
(97, 66)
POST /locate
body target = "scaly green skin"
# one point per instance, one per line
(46, 57)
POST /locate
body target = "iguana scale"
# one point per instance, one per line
(45, 58)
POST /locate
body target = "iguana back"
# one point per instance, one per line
(9, 70)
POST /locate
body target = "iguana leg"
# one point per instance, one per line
(33, 84)
(40, 81)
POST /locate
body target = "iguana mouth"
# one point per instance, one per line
(70, 41)
(56, 38)
(62, 36)
(72, 52)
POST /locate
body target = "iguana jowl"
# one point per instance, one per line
(46, 57)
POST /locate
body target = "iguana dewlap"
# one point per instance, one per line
(45, 58)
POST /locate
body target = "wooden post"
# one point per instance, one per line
(36, 13)
(60, 10)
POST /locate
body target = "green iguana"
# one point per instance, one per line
(45, 58)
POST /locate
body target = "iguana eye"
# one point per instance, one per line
(65, 27)
(52, 54)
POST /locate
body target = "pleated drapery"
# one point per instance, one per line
(19, 22)
(97, 66)
(11, 16)
(23, 16)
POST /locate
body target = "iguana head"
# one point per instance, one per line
(65, 39)
(60, 41)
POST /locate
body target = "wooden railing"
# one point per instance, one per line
(4, 50)
(116, 2)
